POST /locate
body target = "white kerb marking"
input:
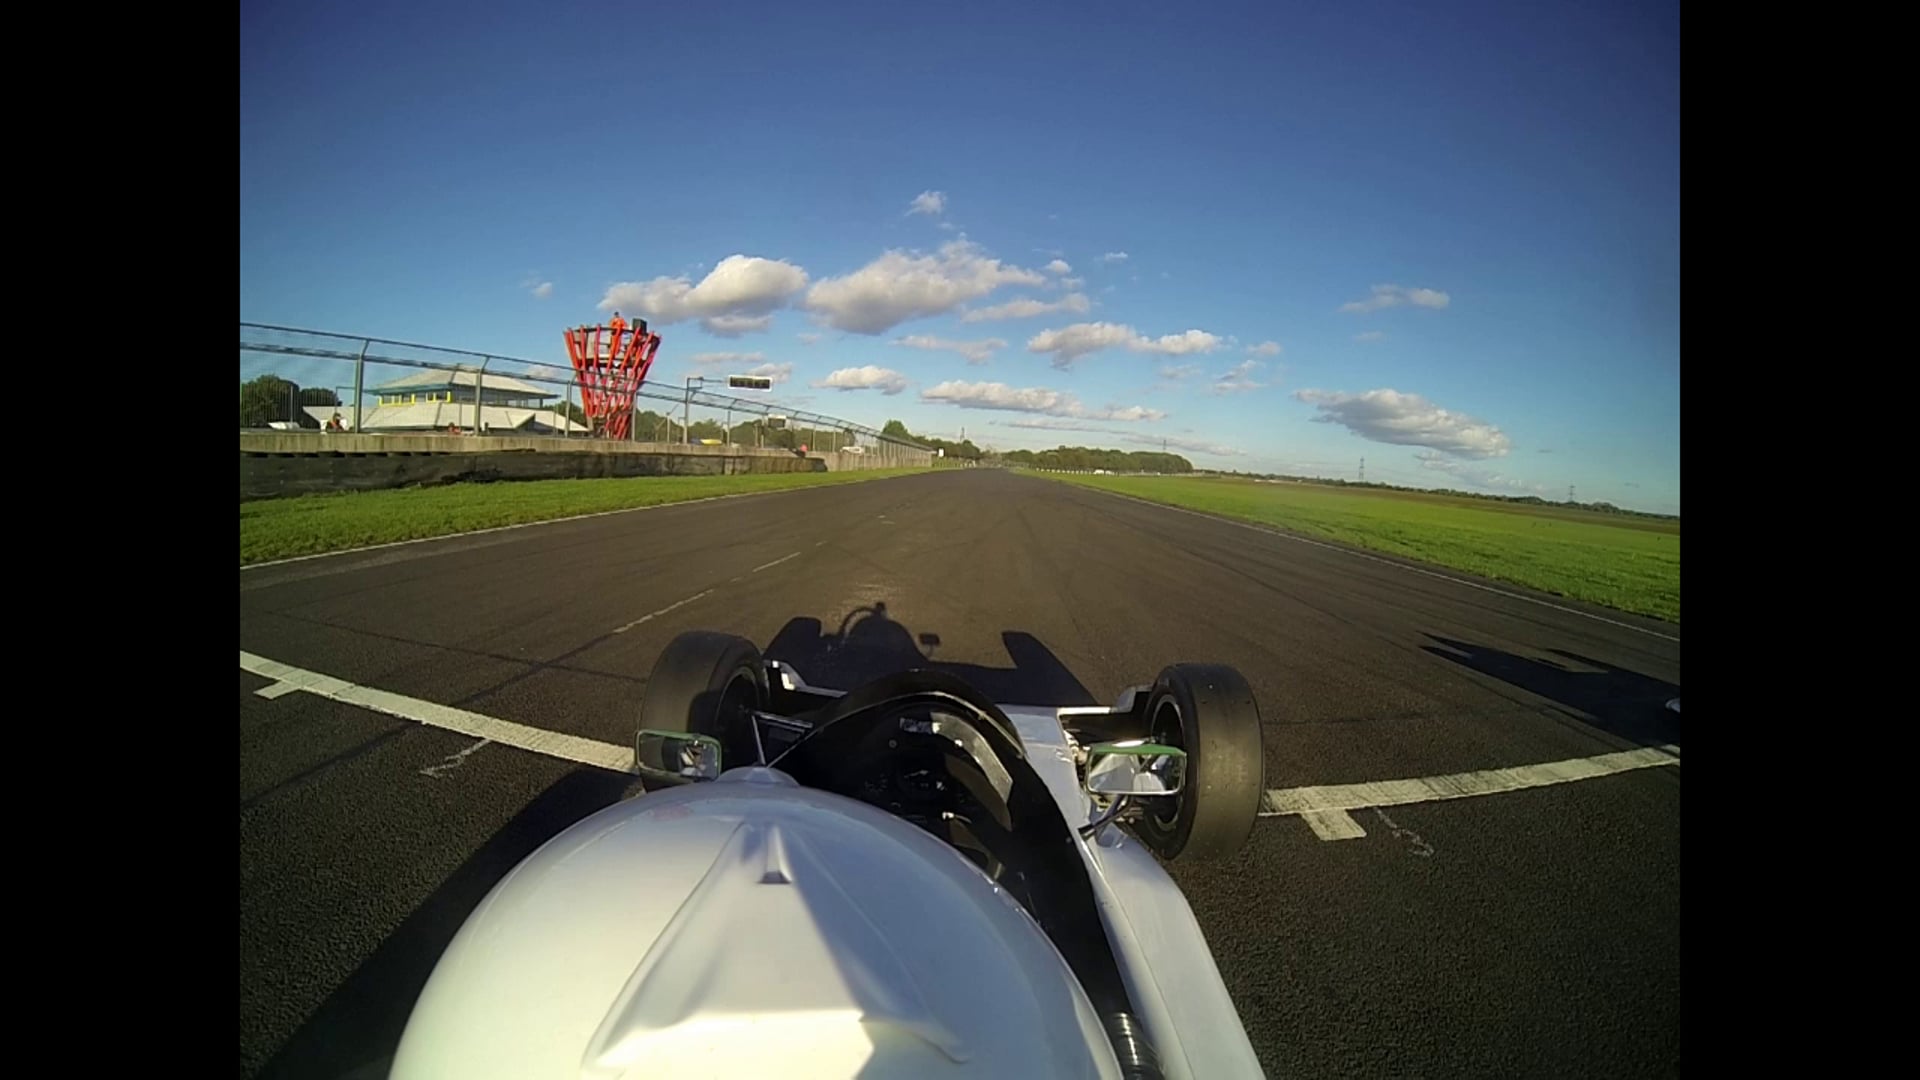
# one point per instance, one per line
(651, 615)
(1325, 807)
(445, 717)
(1387, 562)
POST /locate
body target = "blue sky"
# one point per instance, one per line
(1458, 223)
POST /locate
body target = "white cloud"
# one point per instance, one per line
(1060, 266)
(1389, 416)
(1045, 424)
(976, 352)
(779, 373)
(1170, 442)
(727, 301)
(1072, 282)
(1069, 343)
(543, 290)
(548, 371)
(1238, 380)
(899, 286)
(1114, 257)
(1485, 479)
(733, 326)
(1387, 296)
(1026, 308)
(929, 202)
(1033, 399)
(708, 359)
(810, 339)
(1370, 336)
(1176, 372)
(1265, 348)
(885, 380)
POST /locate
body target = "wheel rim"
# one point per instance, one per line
(1165, 728)
(733, 717)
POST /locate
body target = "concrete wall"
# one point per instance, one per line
(274, 464)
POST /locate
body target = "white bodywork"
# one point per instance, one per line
(1170, 974)
(752, 927)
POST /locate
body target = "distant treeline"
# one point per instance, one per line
(1086, 457)
(1525, 500)
(1060, 457)
(964, 449)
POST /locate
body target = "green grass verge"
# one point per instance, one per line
(313, 524)
(1630, 564)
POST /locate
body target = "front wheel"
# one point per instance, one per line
(1208, 711)
(709, 684)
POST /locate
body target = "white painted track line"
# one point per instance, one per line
(1333, 824)
(446, 717)
(651, 615)
(1327, 809)
(1385, 562)
(774, 563)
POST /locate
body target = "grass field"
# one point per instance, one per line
(312, 524)
(1631, 564)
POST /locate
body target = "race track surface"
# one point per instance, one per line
(1513, 932)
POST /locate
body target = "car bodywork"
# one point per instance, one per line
(642, 941)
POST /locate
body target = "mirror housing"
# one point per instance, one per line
(1135, 767)
(677, 756)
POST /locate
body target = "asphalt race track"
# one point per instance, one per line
(1514, 932)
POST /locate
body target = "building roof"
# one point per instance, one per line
(440, 415)
(443, 380)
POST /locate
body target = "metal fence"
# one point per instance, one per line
(369, 375)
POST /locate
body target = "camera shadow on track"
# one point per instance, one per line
(355, 1031)
(868, 644)
(1624, 703)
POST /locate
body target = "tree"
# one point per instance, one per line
(896, 429)
(319, 397)
(267, 398)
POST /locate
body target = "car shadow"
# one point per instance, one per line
(356, 1030)
(868, 644)
(1624, 703)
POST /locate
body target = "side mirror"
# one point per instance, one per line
(1135, 767)
(678, 756)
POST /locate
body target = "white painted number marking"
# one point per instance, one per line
(452, 761)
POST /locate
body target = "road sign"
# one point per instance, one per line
(750, 382)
